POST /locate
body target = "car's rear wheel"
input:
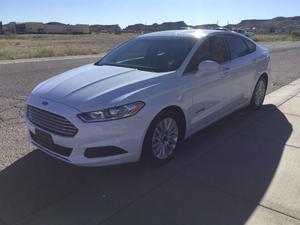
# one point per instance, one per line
(259, 93)
(163, 137)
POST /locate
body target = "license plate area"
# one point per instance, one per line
(43, 137)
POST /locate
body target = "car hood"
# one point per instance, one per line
(93, 87)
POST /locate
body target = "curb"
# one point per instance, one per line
(284, 93)
(60, 58)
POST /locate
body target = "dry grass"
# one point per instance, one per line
(37, 46)
(275, 37)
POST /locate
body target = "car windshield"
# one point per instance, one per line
(156, 54)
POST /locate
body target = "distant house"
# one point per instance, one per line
(105, 28)
(9, 28)
(295, 29)
(33, 28)
(1, 29)
(207, 26)
(48, 28)
(60, 28)
(20, 28)
(278, 25)
(80, 29)
(56, 29)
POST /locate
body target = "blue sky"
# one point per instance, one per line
(125, 12)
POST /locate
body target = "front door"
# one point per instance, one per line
(212, 93)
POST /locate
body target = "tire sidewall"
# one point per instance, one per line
(252, 103)
(147, 152)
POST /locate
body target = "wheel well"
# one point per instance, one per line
(265, 76)
(170, 109)
(179, 112)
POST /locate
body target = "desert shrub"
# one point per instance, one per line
(43, 52)
(295, 34)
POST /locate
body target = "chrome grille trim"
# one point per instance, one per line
(51, 121)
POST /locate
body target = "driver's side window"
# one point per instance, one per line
(213, 48)
(200, 55)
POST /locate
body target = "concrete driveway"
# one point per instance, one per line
(241, 170)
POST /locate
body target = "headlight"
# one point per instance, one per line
(114, 113)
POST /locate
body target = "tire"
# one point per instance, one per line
(163, 137)
(259, 93)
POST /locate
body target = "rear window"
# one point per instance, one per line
(251, 46)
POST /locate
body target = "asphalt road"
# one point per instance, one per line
(37, 175)
(18, 79)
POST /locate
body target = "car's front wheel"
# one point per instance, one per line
(163, 137)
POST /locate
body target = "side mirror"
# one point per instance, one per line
(208, 67)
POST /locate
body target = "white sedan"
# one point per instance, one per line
(146, 96)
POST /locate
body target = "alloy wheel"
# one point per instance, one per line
(165, 138)
(260, 92)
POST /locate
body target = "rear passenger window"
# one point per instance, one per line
(238, 47)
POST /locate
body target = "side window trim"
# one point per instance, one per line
(194, 54)
(249, 49)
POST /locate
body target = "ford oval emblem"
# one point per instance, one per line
(45, 103)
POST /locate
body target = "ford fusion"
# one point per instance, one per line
(146, 96)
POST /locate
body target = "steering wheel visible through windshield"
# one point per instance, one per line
(156, 54)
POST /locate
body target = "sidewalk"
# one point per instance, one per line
(244, 169)
(256, 169)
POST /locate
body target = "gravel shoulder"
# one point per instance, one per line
(280, 45)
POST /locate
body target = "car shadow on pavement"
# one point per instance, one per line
(218, 176)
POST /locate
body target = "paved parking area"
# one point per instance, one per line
(17, 78)
(241, 170)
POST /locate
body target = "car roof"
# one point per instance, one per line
(192, 33)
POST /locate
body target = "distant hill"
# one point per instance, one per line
(207, 26)
(115, 28)
(155, 27)
(279, 25)
(55, 23)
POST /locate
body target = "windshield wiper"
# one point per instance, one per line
(142, 68)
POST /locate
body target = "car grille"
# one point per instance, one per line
(51, 122)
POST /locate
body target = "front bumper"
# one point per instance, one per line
(126, 134)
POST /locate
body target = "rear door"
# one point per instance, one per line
(243, 66)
